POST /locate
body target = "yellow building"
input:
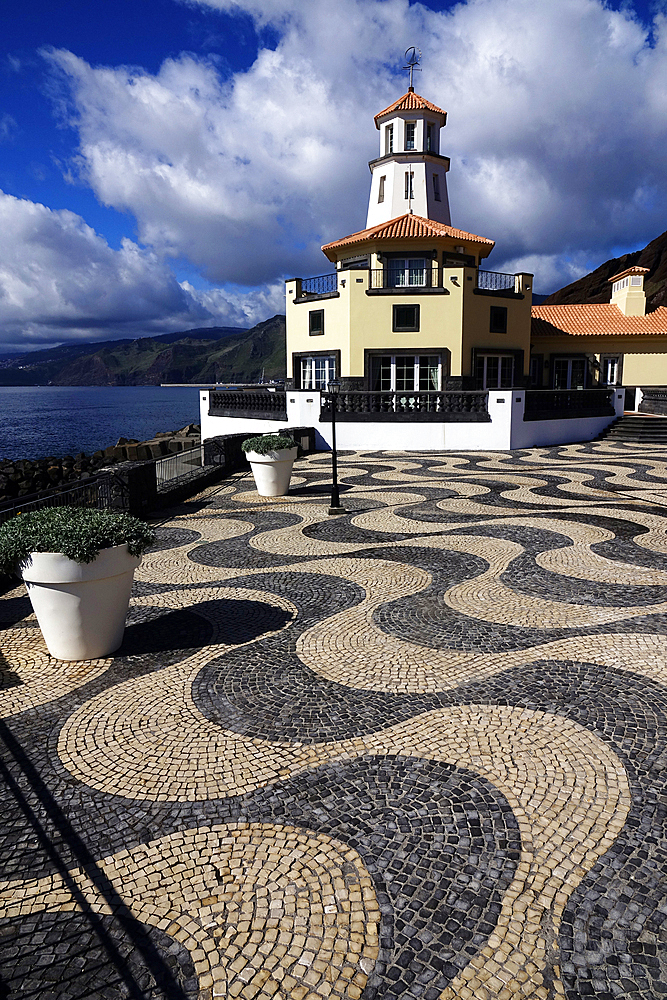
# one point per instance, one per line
(409, 306)
(428, 348)
(584, 345)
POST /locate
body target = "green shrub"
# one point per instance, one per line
(266, 443)
(78, 532)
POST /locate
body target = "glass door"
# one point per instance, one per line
(405, 272)
(494, 371)
(569, 373)
(317, 372)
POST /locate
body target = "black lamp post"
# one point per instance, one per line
(333, 388)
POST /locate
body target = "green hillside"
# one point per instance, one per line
(228, 356)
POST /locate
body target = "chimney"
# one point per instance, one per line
(627, 291)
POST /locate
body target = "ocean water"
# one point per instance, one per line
(38, 421)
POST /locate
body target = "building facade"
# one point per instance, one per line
(431, 349)
(585, 345)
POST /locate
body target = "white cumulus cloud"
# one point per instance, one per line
(557, 133)
(59, 280)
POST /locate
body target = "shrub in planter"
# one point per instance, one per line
(271, 458)
(78, 565)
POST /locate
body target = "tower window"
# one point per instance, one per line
(389, 139)
(405, 319)
(410, 135)
(381, 190)
(436, 187)
(316, 322)
(498, 319)
(409, 184)
(429, 139)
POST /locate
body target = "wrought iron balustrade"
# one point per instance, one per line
(263, 405)
(567, 404)
(496, 281)
(89, 492)
(321, 284)
(179, 466)
(418, 405)
(403, 280)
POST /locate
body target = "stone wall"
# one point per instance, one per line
(24, 477)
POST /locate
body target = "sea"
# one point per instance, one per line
(44, 421)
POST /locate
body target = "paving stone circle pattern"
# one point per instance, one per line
(417, 750)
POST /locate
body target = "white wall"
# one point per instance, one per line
(417, 436)
(536, 433)
(507, 428)
(212, 426)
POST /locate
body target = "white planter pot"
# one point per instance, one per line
(272, 472)
(81, 607)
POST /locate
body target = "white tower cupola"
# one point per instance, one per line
(410, 175)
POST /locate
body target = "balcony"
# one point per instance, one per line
(409, 406)
(254, 403)
(411, 281)
(405, 281)
(321, 286)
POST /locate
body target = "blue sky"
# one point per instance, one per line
(166, 164)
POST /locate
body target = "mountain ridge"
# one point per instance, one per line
(594, 286)
(215, 354)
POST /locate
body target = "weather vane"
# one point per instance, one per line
(412, 58)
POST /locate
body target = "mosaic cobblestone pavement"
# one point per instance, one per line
(417, 750)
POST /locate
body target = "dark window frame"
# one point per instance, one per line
(296, 363)
(519, 378)
(413, 328)
(374, 352)
(498, 319)
(312, 313)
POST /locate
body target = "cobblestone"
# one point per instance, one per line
(418, 750)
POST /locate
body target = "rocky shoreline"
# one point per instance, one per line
(23, 477)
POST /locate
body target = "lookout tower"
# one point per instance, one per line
(410, 174)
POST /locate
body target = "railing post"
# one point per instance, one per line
(132, 487)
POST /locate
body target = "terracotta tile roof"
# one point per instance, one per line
(411, 102)
(630, 270)
(408, 227)
(595, 319)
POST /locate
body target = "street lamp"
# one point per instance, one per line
(333, 388)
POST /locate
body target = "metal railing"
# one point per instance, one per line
(90, 492)
(417, 404)
(264, 405)
(401, 280)
(321, 284)
(179, 466)
(567, 404)
(496, 281)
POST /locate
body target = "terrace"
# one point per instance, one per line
(344, 756)
(417, 280)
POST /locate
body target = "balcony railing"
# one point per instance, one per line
(568, 404)
(181, 466)
(410, 280)
(496, 281)
(414, 405)
(261, 405)
(321, 284)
